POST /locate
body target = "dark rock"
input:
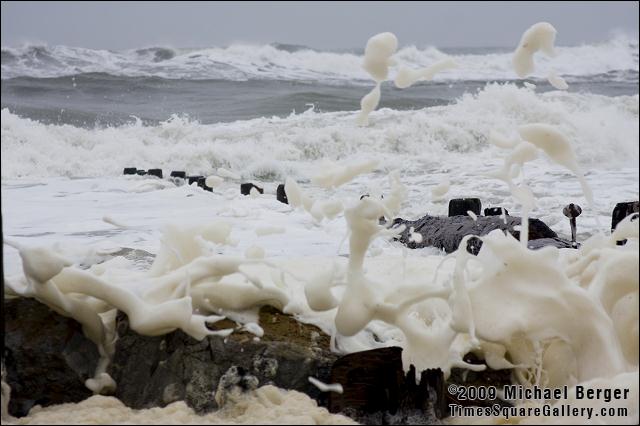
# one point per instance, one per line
(202, 183)
(446, 233)
(460, 206)
(192, 179)
(155, 172)
(281, 195)
(621, 211)
(245, 188)
(236, 378)
(495, 211)
(141, 172)
(474, 244)
(178, 174)
(555, 242)
(130, 171)
(371, 381)
(377, 391)
(154, 371)
(47, 357)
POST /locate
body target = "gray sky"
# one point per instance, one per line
(116, 25)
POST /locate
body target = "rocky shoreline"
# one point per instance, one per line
(47, 360)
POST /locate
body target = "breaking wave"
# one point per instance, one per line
(615, 59)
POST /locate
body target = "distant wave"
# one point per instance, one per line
(617, 57)
(603, 129)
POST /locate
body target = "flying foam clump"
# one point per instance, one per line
(540, 36)
(407, 77)
(377, 60)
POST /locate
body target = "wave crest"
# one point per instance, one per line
(292, 62)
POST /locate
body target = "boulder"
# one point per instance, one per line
(623, 210)
(155, 172)
(245, 188)
(460, 206)
(155, 371)
(446, 233)
(47, 357)
(376, 389)
(281, 194)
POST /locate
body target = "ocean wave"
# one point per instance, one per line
(603, 129)
(617, 57)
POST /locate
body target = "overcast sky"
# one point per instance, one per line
(115, 25)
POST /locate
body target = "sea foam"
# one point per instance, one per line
(604, 130)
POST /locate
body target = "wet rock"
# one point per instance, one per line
(245, 188)
(281, 195)
(47, 357)
(495, 211)
(446, 233)
(194, 179)
(554, 242)
(155, 172)
(202, 183)
(460, 206)
(474, 244)
(235, 380)
(623, 210)
(376, 389)
(153, 370)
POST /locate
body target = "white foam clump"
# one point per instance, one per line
(267, 404)
(254, 329)
(149, 185)
(534, 137)
(439, 191)
(540, 36)
(255, 252)
(377, 55)
(225, 173)
(502, 142)
(414, 236)
(368, 104)
(334, 387)
(377, 60)
(254, 193)
(558, 148)
(269, 230)
(556, 81)
(333, 176)
(213, 181)
(318, 209)
(407, 77)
